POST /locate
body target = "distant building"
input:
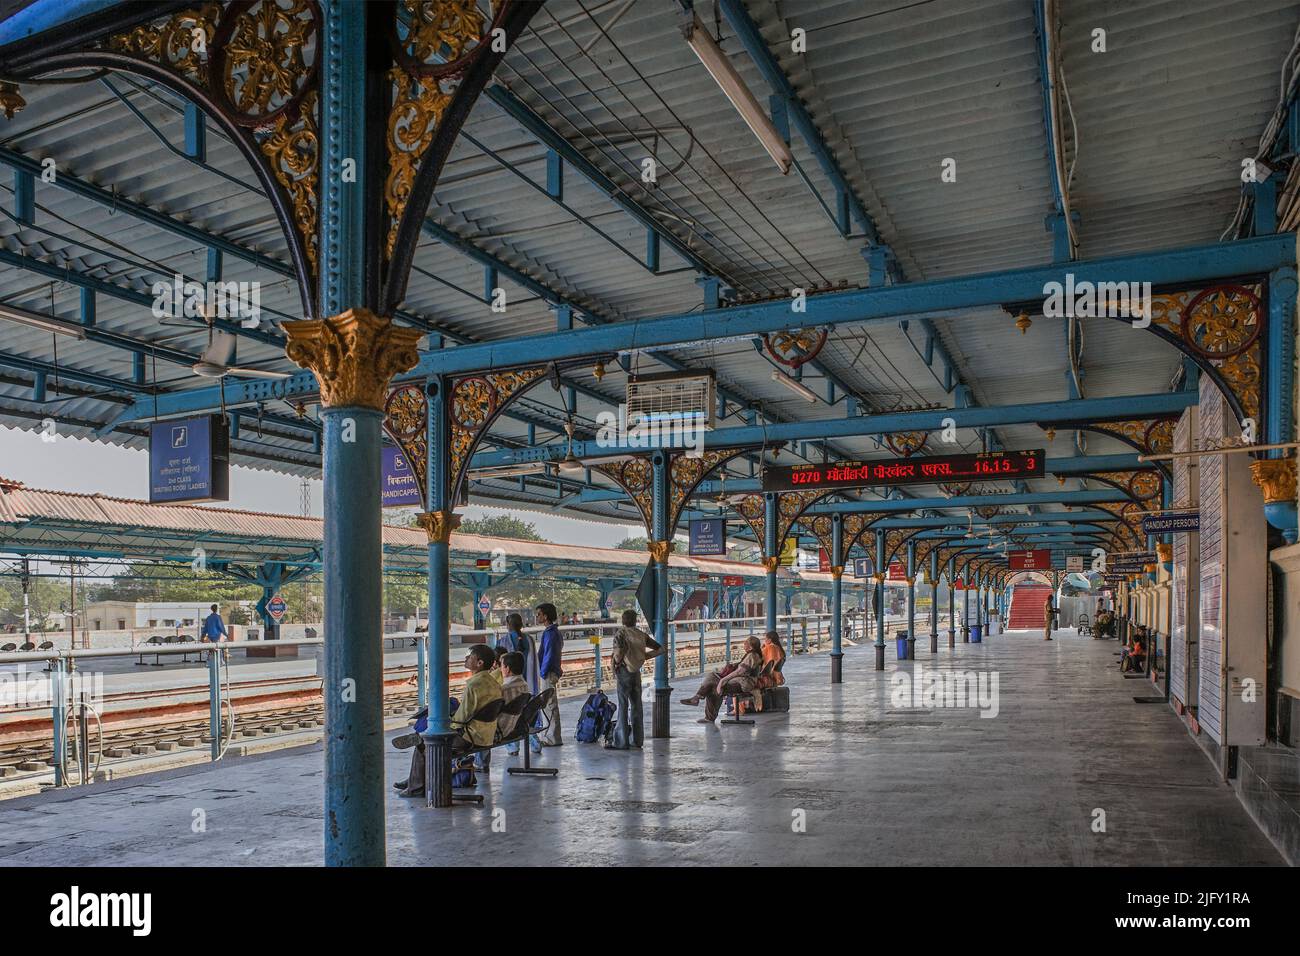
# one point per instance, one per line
(163, 615)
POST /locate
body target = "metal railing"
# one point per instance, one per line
(693, 645)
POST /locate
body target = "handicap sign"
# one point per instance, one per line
(484, 605)
(276, 607)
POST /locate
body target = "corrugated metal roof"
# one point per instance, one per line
(1163, 117)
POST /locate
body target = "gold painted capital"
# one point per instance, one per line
(1164, 551)
(836, 571)
(878, 578)
(353, 355)
(660, 550)
(1276, 477)
(771, 562)
(11, 101)
(438, 525)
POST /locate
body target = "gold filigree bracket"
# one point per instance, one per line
(353, 355)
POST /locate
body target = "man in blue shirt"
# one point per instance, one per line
(552, 650)
(214, 629)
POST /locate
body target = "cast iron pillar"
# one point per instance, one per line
(934, 601)
(661, 547)
(837, 598)
(771, 557)
(911, 600)
(879, 594)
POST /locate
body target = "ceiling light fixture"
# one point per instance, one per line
(725, 75)
(794, 385)
(43, 322)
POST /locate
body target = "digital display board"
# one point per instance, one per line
(984, 466)
(189, 460)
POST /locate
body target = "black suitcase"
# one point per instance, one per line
(776, 700)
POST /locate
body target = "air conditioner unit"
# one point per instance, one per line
(680, 399)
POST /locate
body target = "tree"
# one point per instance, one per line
(502, 526)
(641, 543)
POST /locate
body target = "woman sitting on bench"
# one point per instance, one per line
(734, 678)
(773, 658)
(1133, 657)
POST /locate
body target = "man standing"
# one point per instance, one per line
(632, 648)
(549, 666)
(1048, 611)
(214, 629)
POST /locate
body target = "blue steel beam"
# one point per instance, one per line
(1095, 409)
(1191, 264)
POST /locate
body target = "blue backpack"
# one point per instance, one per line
(596, 720)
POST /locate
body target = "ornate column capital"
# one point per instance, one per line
(660, 550)
(911, 582)
(1276, 477)
(878, 578)
(353, 355)
(11, 101)
(771, 562)
(836, 571)
(1164, 551)
(438, 525)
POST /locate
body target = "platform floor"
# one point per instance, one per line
(876, 784)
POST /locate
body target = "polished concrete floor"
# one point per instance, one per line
(850, 776)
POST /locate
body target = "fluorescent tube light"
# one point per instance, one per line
(508, 471)
(43, 322)
(725, 75)
(794, 385)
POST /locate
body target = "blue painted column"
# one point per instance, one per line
(661, 547)
(354, 353)
(911, 600)
(934, 601)
(837, 598)
(1276, 473)
(771, 556)
(879, 597)
(952, 602)
(965, 606)
(788, 608)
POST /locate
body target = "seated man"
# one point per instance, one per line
(742, 677)
(1132, 658)
(513, 685)
(481, 688)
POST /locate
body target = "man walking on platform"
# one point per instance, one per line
(214, 629)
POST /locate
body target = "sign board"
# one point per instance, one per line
(1037, 560)
(789, 552)
(189, 460)
(823, 560)
(609, 603)
(862, 567)
(1180, 522)
(708, 537)
(646, 592)
(276, 608)
(1074, 562)
(397, 485)
(897, 571)
(733, 581)
(984, 466)
(484, 605)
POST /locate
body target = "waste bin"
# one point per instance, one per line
(900, 640)
(976, 633)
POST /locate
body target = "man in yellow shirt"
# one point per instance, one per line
(480, 689)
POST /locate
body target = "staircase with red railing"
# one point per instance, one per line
(1027, 602)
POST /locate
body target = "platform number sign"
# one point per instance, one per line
(609, 603)
(484, 605)
(276, 608)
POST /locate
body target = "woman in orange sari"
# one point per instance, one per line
(773, 657)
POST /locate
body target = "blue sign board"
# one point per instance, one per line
(862, 567)
(398, 484)
(189, 460)
(276, 607)
(708, 537)
(1179, 522)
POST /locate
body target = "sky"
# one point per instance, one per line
(81, 465)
